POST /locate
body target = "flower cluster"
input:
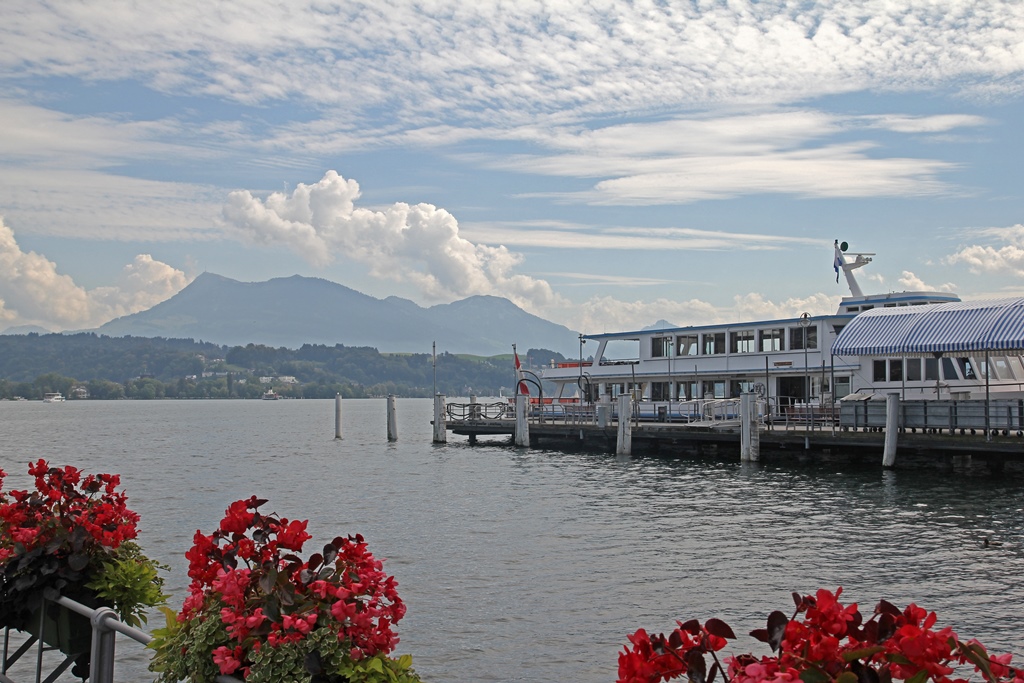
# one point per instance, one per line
(251, 595)
(60, 535)
(63, 503)
(830, 643)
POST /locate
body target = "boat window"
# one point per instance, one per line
(687, 391)
(714, 343)
(738, 387)
(771, 340)
(838, 329)
(617, 350)
(1016, 366)
(797, 335)
(931, 369)
(913, 369)
(1001, 366)
(713, 388)
(660, 346)
(852, 309)
(966, 368)
(879, 371)
(687, 345)
(842, 386)
(896, 370)
(866, 308)
(949, 369)
(742, 342)
(660, 391)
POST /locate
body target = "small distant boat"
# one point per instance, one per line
(271, 395)
(53, 398)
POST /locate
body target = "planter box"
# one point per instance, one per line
(64, 629)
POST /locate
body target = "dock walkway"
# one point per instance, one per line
(577, 429)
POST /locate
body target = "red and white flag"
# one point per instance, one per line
(523, 388)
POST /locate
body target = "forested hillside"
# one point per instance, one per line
(87, 365)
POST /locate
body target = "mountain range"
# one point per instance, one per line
(298, 310)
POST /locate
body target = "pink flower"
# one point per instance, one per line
(227, 659)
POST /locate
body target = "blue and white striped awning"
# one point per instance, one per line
(953, 328)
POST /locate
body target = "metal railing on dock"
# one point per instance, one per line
(697, 411)
(1004, 415)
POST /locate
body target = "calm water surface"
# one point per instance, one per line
(533, 565)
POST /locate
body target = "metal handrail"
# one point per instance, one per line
(105, 627)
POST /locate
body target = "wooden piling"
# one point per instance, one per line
(337, 416)
(750, 436)
(392, 419)
(440, 428)
(892, 424)
(624, 442)
(522, 424)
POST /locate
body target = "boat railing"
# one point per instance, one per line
(463, 412)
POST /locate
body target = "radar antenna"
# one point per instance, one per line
(859, 261)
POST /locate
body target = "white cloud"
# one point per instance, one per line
(608, 314)
(513, 61)
(418, 244)
(33, 292)
(1006, 256)
(926, 124)
(914, 283)
(567, 236)
(717, 157)
(56, 177)
(142, 284)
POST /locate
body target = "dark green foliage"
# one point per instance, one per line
(143, 368)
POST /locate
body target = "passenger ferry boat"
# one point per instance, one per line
(786, 362)
(56, 397)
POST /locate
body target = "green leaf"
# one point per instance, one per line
(847, 677)
(863, 653)
(920, 677)
(814, 675)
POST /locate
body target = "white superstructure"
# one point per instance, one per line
(788, 361)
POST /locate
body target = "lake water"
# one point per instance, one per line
(534, 565)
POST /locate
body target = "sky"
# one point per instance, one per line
(603, 164)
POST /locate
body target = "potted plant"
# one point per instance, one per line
(829, 643)
(72, 536)
(257, 611)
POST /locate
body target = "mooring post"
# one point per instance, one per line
(392, 419)
(522, 425)
(474, 408)
(603, 410)
(337, 416)
(624, 442)
(892, 424)
(440, 429)
(750, 436)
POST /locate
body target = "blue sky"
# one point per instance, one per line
(601, 164)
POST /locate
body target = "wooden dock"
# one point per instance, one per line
(723, 440)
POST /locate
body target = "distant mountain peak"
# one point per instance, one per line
(296, 310)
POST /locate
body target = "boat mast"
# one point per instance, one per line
(859, 261)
